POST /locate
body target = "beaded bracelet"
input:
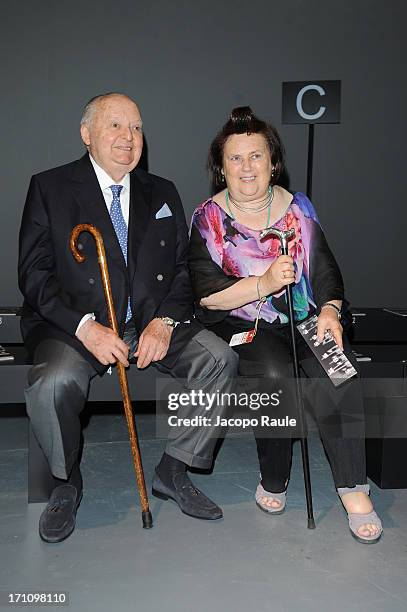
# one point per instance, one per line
(338, 310)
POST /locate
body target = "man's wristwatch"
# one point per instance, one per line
(168, 321)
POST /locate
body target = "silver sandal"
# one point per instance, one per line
(280, 497)
(356, 520)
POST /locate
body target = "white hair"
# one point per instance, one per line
(91, 106)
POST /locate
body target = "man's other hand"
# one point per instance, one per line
(153, 343)
(103, 343)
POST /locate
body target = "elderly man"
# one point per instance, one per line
(65, 323)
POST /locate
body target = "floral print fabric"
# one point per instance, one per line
(238, 251)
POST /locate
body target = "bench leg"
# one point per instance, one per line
(40, 480)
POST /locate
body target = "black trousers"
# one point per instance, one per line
(338, 412)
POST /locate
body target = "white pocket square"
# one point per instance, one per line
(163, 212)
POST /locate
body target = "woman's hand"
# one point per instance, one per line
(328, 321)
(279, 274)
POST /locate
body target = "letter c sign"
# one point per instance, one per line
(300, 109)
(311, 102)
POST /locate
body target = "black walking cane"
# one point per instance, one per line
(121, 370)
(284, 236)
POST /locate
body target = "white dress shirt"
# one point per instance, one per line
(105, 181)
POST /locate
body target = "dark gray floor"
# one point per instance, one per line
(249, 561)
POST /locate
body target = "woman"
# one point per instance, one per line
(239, 281)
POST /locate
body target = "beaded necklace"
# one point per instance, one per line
(267, 205)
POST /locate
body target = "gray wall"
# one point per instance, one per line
(187, 64)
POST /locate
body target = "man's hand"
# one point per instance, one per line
(103, 343)
(153, 343)
(328, 321)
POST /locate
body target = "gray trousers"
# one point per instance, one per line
(58, 385)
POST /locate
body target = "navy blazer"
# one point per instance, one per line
(58, 291)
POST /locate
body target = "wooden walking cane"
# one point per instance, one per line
(283, 237)
(124, 385)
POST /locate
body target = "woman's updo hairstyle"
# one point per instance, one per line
(242, 120)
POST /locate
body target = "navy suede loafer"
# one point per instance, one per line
(190, 499)
(57, 522)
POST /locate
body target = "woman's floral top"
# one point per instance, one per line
(233, 251)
